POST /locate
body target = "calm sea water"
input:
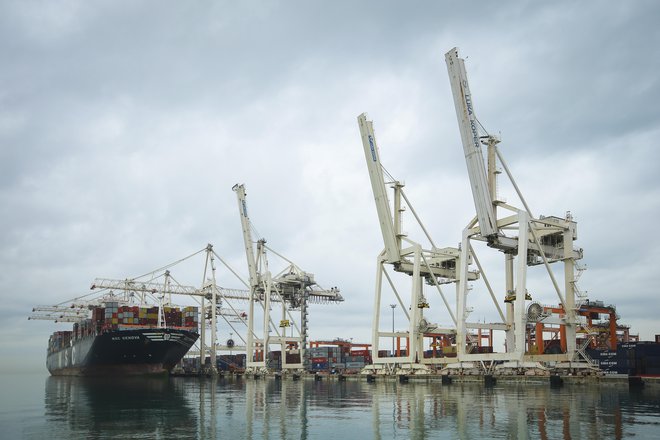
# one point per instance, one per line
(40, 407)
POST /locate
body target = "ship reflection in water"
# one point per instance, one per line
(101, 408)
(270, 408)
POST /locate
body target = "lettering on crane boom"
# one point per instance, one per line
(468, 98)
(475, 135)
(373, 149)
(473, 124)
(244, 208)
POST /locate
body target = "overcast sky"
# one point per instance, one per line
(124, 125)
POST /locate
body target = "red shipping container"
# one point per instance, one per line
(360, 353)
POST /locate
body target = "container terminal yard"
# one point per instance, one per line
(132, 326)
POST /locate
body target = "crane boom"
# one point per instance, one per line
(372, 156)
(247, 236)
(468, 125)
(177, 289)
(61, 313)
(57, 318)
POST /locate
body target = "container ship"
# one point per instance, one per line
(124, 340)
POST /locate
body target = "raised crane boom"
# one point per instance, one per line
(372, 156)
(247, 235)
(468, 125)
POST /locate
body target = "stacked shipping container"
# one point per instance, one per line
(231, 362)
(190, 317)
(224, 362)
(119, 317)
(632, 358)
(333, 358)
(59, 340)
(116, 317)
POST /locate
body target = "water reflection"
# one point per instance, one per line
(101, 408)
(270, 408)
(514, 411)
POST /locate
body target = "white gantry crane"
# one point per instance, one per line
(292, 288)
(434, 266)
(524, 239)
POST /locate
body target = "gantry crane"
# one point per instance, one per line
(434, 266)
(525, 240)
(293, 288)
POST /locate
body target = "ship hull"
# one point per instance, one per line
(147, 351)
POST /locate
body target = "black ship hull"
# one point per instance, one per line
(146, 351)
